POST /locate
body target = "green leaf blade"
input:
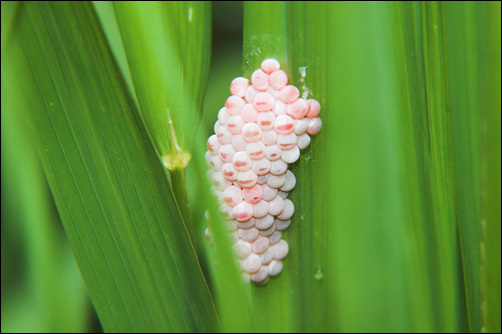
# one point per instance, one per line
(110, 189)
(167, 46)
(489, 16)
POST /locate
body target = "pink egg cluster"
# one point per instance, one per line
(261, 130)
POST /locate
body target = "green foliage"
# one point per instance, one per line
(116, 205)
(397, 222)
(491, 157)
(167, 46)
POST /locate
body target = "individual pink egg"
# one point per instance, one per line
(303, 141)
(226, 211)
(268, 231)
(252, 263)
(276, 206)
(265, 222)
(278, 167)
(247, 179)
(250, 94)
(270, 65)
(234, 124)
(275, 268)
(219, 181)
(242, 249)
(290, 181)
(314, 108)
(278, 80)
(261, 167)
(234, 105)
(256, 151)
(232, 196)
(245, 225)
(267, 256)
(238, 86)
(275, 237)
(241, 161)
(265, 120)
(284, 124)
(223, 116)
(280, 249)
(315, 125)
(249, 114)
(269, 193)
(251, 132)
(286, 142)
(238, 142)
(289, 94)
(249, 235)
(213, 145)
(243, 211)
(291, 156)
(263, 102)
(215, 163)
(260, 80)
(276, 181)
(229, 172)
(269, 137)
(260, 245)
(227, 153)
(262, 179)
(261, 277)
(281, 225)
(289, 209)
(279, 108)
(224, 136)
(217, 126)
(297, 109)
(252, 195)
(300, 126)
(260, 209)
(273, 152)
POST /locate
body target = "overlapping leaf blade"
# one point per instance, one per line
(395, 185)
(110, 189)
(167, 46)
(168, 50)
(489, 38)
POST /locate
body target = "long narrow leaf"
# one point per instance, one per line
(167, 46)
(54, 296)
(489, 15)
(111, 192)
(462, 31)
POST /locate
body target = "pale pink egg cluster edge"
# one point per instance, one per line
(261, 130)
